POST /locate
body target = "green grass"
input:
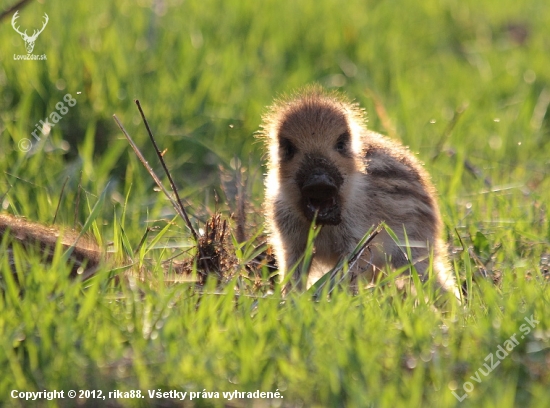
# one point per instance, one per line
(203, 72)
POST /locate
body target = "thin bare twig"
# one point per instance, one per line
(148, 167)
(172, 184)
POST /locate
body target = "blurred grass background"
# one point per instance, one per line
(204, 71)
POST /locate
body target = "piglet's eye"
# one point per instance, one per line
(341, 145)
(288, 149)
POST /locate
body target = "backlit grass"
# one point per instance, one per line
(203, 71)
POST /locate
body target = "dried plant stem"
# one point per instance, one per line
(149, 168)
(172, 184)
(178, 205)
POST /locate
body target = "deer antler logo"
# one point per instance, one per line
(29, 40)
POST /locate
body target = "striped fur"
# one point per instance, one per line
(382, 181)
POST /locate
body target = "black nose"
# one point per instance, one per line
(319, 185)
